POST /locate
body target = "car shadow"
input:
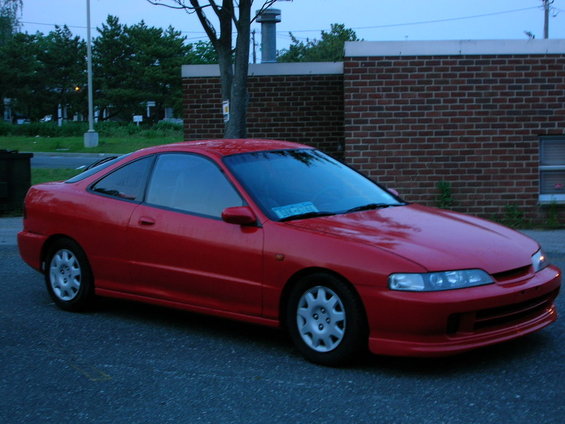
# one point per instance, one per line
(275, 340)
(194, 323)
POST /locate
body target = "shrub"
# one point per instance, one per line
(77, 129)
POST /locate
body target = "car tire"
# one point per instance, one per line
(326, 320)
(68, 276)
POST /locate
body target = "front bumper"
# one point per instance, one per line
(450, 322)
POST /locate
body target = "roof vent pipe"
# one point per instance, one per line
(268, 20)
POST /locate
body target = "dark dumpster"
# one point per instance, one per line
(15, 180)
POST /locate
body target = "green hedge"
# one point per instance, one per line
(77, 129)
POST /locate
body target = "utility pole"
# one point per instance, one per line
(546, 4)
(254, 46)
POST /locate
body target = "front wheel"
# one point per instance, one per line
(68, 276)
(326, 319)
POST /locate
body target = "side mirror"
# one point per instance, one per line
(239, 215)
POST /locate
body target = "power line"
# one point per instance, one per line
(433, 21)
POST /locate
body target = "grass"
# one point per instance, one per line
(44, 175)
(76, 144)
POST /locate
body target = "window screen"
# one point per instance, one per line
(552, 169)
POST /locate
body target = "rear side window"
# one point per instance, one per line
(127, 182)
(96, 167)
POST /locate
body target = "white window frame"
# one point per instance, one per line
(545, 199)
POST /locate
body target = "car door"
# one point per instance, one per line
(101, 218)
(183, 251)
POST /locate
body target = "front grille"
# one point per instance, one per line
(501, 316)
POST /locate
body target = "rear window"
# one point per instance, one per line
(91, 170)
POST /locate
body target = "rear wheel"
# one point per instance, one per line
(68, 276)
(326, 319)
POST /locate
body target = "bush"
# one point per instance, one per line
(44, 129)
(77, 129)
(514, 217)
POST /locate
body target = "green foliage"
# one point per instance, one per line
(20, 73)
(123, 129)
(132, 65)
(445, 197)
(514, 217)
(49, 129)
(9, 23)
(105, 129)
(39, 73)
(63, 60)
(329, 49)
(552, 217)
(136, 64)
(201, 53)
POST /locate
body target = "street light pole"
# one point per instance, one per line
(91, 136)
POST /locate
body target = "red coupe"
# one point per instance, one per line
(280, 234)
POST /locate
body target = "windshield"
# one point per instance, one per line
(293, 184)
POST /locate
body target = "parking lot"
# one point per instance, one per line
(132, 363)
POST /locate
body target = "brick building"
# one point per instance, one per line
(488, 117)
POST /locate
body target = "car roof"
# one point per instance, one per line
(226, 147)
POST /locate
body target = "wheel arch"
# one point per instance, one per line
(48, 245)
(303, 273)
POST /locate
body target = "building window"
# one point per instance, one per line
(552, 170)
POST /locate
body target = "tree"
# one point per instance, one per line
(21, 73)
(328, 49)
(158, 57)
(135, 64)
(63, 59)
(9, 22)
(233, 63)
(202, 53)
(40, 72)
(113, 70)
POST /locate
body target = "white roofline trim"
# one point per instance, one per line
(453, 47)
(269, 69)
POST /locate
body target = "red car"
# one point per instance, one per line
(280, 234)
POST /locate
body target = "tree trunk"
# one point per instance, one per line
(233, 77)
(237, 125)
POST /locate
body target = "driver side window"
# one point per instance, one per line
(192, 184)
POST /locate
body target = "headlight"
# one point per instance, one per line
(436, 281)
(539, 260)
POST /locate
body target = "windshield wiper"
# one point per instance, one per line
(371, 206)
(306, 215)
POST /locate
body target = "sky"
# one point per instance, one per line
(372, 20)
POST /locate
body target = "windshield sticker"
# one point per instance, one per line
(295, 209)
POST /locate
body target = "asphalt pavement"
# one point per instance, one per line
(132, 363)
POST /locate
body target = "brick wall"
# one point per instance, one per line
(412, 114)
(471, 120)
(306, 108)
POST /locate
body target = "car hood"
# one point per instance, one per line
(436, 239)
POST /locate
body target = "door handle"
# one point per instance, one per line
(144, 220)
